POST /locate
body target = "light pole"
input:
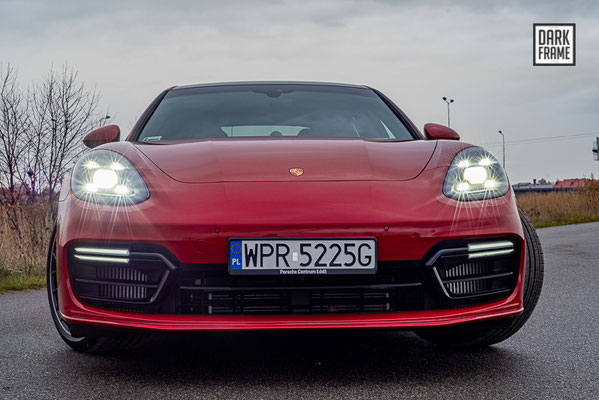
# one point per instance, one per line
(448, 101)
(503, 143)
(596, 151)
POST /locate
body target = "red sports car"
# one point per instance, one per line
(288, 205)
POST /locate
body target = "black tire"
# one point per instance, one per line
(485, 334)
(86, 344)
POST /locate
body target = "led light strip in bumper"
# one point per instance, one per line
(475, 251)
(99, 254)
(490, 249)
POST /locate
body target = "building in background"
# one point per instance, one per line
(576, 183)
(542, 186)
(527, 187)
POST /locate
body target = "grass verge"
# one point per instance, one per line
(24, 235)
(561, 208)
(581, 220)
(10, 281)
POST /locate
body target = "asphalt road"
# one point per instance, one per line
(556, 355)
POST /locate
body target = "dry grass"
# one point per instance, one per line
(24, 233)
(20, 281)
(562, 208)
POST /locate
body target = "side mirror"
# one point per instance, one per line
(105, 134)
(436, 131)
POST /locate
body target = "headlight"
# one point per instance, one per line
(475, 174)
(106, 177)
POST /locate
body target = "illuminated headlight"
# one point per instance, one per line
(475, 174)
(103, 176)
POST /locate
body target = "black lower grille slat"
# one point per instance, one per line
(477, 279)
(205, 291)
(117, 283)
(397, 285)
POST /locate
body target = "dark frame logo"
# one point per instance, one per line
(554, 44)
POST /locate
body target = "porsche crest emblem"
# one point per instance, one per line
(296, 171)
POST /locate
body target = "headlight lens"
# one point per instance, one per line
(106, 177)
(475, 174)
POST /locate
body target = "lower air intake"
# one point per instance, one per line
(104, 277)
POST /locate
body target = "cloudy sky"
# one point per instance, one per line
(479, 53)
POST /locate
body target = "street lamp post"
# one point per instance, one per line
(503, 143)
(448, 101)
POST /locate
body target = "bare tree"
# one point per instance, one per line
(63, 111)
(13, 125)
(33, 158)
(41, 133)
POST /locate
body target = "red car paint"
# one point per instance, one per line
(259, 160)
(391, 191)
(436, 131)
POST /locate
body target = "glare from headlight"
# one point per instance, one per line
(121, 189)
(91, 164)
(90, 187)
(463, 186)
(115, 166)
(490, 184)
(475, 175)
(105, 178)
(464, 164)
(485, 162)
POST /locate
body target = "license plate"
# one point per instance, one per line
(302, 256)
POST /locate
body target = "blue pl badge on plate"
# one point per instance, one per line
(235, 254)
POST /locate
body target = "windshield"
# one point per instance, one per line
(272, 110)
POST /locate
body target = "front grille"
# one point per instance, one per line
(395, 287)
(288, 302)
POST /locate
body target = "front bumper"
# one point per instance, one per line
(167, 307)
(407, 320)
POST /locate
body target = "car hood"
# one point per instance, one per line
(270, 160)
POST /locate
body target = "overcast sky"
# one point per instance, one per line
(479, 53)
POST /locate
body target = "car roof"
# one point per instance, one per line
(244, 83)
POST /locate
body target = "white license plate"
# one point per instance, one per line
(302, 256)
